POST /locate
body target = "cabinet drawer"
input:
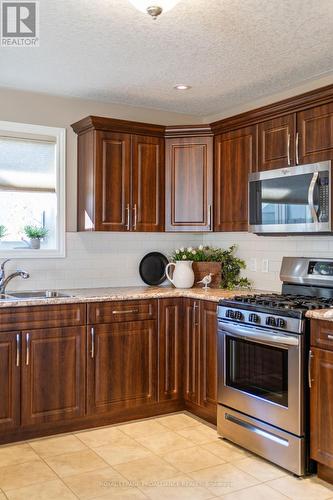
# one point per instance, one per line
(322, 334)
(48, 316)
(127, 310)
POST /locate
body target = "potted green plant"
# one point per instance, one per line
(35, 234)
(222, 264)
(3, 231)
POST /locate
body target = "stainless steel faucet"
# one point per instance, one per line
(4, 281)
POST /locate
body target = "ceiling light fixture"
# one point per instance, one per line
(181, 86)
(154, 7)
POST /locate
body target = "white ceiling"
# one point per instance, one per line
(230, 52)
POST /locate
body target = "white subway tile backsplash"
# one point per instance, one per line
(112, 259)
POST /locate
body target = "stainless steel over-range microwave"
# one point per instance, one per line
(291, 200)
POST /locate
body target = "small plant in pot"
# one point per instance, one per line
(3, 231)
(35, 234)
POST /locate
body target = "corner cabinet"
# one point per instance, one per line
(235, 158)
(189, 181)
(120, 175)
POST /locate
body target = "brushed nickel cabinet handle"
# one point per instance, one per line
(92, 333)
(288, 149)
(309, 369)
(27, 354)
(135, 217)
(18, 343)
(330, 337)
(129, 311)
(297, 143)
(128, 217)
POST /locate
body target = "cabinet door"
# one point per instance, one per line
(9, 381)
(53, 375)
(191, 350)
(315, 134)
(276, 143)
(112, 180)
(170, 349)
(235, 158)
(321, 407)
(122, 366)
(208, 356)
(148, 183)
(189, 184)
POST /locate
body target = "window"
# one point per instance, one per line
(32, 190)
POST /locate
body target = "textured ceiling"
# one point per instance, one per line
(230, 52)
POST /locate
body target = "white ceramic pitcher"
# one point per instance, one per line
(183, 275)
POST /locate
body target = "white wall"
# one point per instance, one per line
(41, 109)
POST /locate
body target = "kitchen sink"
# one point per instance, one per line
(44, 294)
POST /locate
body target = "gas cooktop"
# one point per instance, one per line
(286, 301)
(280, 304)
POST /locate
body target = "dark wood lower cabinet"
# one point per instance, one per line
(208, 356)
(321, 407)
(53, 375)
(170, 349)
(74, 377)
(200, 358)
(191, 350)
(121, 365)
(9, 381)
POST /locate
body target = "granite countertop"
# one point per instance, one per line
(127, 293)
(324, 314)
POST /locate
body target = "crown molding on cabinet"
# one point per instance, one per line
(294, 104)
(114, 125)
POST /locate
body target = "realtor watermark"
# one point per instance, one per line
(20, 24)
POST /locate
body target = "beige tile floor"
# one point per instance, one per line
(165, 458)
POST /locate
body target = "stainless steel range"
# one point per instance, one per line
(263, 345)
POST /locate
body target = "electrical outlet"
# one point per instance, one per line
(253, 265)
(264, 266)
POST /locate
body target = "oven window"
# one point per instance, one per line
(257, 369)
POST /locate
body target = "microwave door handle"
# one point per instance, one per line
(311, 196)
(254, 335)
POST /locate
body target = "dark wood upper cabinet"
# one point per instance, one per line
(189, 184)
(122, 366)
(120, 175)
(276, 143)
(148, 183)
(235, 159)
(170, 349)
(53, 375)
(208, 356)
(112, 181)
(10, 381)
(315, 134)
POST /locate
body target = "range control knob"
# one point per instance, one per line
(254, 318)
(270, 321)
(239, 315)
(230, 313)
(281, 323)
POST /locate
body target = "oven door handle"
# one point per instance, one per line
(269, 337)
(311, 196)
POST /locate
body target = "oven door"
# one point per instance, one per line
(260, 373)
(291, 200)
